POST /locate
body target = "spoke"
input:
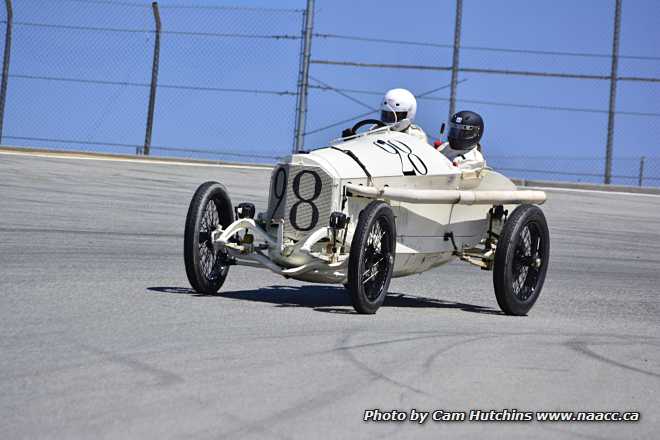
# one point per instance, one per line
(376, 260)
(210, 261)
(527, 262)
(522, 262)
(372, 271)
(526, 240)
(368, 279)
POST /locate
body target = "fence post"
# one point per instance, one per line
(454, 61)
(303, 79)
(5, 64)
(641, 171)
(613, 80)
(154, 83)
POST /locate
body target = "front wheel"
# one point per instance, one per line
(371, 260)
(209, 208)
(521, 260)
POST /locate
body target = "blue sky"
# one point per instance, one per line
(262, 124)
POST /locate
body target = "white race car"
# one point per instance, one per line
(369, 207)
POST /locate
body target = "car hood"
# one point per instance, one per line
(381, 154)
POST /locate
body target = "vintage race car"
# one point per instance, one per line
(369, 207)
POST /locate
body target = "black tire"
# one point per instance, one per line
(372, 257)
(205, 268)
(521, 260)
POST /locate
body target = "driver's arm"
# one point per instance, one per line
(417, 131)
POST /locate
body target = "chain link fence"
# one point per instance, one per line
(643, 171)
(547, 93)
(88, 63)
(228, 80)
(81, 74)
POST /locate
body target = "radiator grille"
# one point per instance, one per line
(302, 196)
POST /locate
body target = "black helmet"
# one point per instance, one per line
(465, 130)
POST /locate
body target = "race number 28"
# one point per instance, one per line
(400, 149)
(302, 200)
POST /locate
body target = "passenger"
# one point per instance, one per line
(465, 131)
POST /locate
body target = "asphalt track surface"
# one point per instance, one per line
(102, 337)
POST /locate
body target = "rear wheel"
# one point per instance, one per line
(371, 259)
(521, 260)
(209, 208)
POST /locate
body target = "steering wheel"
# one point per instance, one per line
(377, 122)
(351, 131)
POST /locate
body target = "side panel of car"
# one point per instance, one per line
(421, 228)
(469, 222)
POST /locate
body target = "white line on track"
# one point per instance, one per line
(123, 159)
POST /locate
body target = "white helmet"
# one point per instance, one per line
(398, 104)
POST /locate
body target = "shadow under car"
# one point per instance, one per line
(325, 298)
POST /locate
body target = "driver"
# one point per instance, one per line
(463, 148)
(399, 104)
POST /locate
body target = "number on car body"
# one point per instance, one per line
(302, 200)
(279, 190)
(417, 164)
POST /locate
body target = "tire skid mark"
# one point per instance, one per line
(582, 348)
(386, 342)
(348, 354)
(652, 340)
(164, 377)
(428, 363)
(320, 400)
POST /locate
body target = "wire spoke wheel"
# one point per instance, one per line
(371, 260)
(376, 260)
(527, 262)
(210, 209)
(521, 260)
(213, 262)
